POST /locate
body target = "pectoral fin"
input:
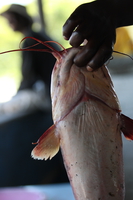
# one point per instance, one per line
(127, 127)
(47, 145)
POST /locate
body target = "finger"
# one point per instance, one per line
(68, 28)
(87, 53)
(76, 39)
(100, 58)
(72, 22)
(82, 32)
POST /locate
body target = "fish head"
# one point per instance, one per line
(70, 85)
(67, 84)
(99, 85)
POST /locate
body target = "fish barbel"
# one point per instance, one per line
(87, 127)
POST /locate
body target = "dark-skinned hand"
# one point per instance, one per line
(94, 23)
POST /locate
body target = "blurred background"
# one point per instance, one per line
(55, 13)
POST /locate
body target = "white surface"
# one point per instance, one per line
(55, 191)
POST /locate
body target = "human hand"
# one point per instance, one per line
(95, 23)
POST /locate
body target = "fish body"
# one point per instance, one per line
(87, 127)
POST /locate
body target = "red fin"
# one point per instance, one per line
(47, 145)
(127, 127)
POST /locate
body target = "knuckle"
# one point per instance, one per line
(106, 51)
(76, 39)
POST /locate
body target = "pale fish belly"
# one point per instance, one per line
(91, 146)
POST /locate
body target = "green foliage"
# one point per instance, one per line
(9, 62)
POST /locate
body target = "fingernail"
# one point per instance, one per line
(89, 68)
(65, 37)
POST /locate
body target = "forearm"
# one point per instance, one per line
(121, 10)
(126, 13)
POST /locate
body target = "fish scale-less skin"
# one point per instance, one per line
(92, 151)
(87, 127)
(87, 116)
